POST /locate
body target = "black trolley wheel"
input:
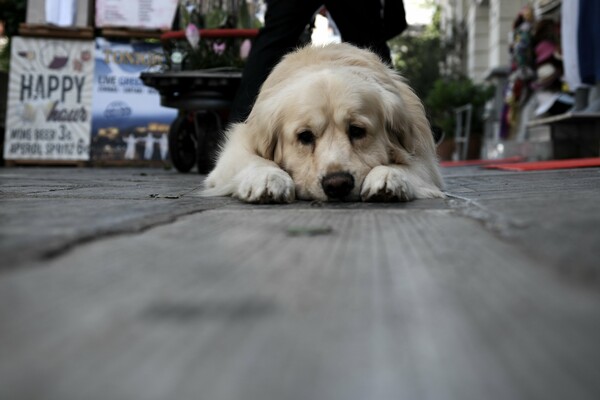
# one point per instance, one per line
(208, 131)
(204, 157)
(182, 146)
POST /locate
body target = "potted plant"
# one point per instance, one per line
(448, 94)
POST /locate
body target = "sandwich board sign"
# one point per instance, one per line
(128, 122)
(49, 99)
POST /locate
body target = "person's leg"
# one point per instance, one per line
(361, 23)
(284, 22)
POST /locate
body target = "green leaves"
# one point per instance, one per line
(450, 93)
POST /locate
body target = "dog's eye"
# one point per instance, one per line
(356, 132)
(306, 137)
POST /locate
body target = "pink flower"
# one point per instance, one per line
(219, 48)
(193, 35)
(245, 49)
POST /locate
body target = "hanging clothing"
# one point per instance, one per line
(569, 43)
(589, 41)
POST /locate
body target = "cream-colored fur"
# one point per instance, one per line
(330, 92)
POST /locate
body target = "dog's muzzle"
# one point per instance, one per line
(337, 185)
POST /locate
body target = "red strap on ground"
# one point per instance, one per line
(546, 165)
(463, 163)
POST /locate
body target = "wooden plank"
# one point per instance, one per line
(553, 215)
(131, 33)
(226, 305)
(94, 163)
(166, 164)
(46, 163)
(51, 31)
(46, 210)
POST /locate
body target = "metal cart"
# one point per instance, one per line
(203, 98)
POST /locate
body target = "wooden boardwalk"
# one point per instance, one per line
(124, 284)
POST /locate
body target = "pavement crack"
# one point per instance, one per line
(491, 220)
(126, 228)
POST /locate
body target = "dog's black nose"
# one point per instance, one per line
(337, 185)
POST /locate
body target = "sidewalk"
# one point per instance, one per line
(125, 284)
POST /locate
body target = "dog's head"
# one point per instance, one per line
(329, 115)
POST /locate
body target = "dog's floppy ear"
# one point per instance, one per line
(263, 127)
(406, 123)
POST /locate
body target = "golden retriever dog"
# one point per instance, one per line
(330, 123)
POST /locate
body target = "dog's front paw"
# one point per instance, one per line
(265, 185)
(386, 184)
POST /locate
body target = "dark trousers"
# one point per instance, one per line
(359, 21)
